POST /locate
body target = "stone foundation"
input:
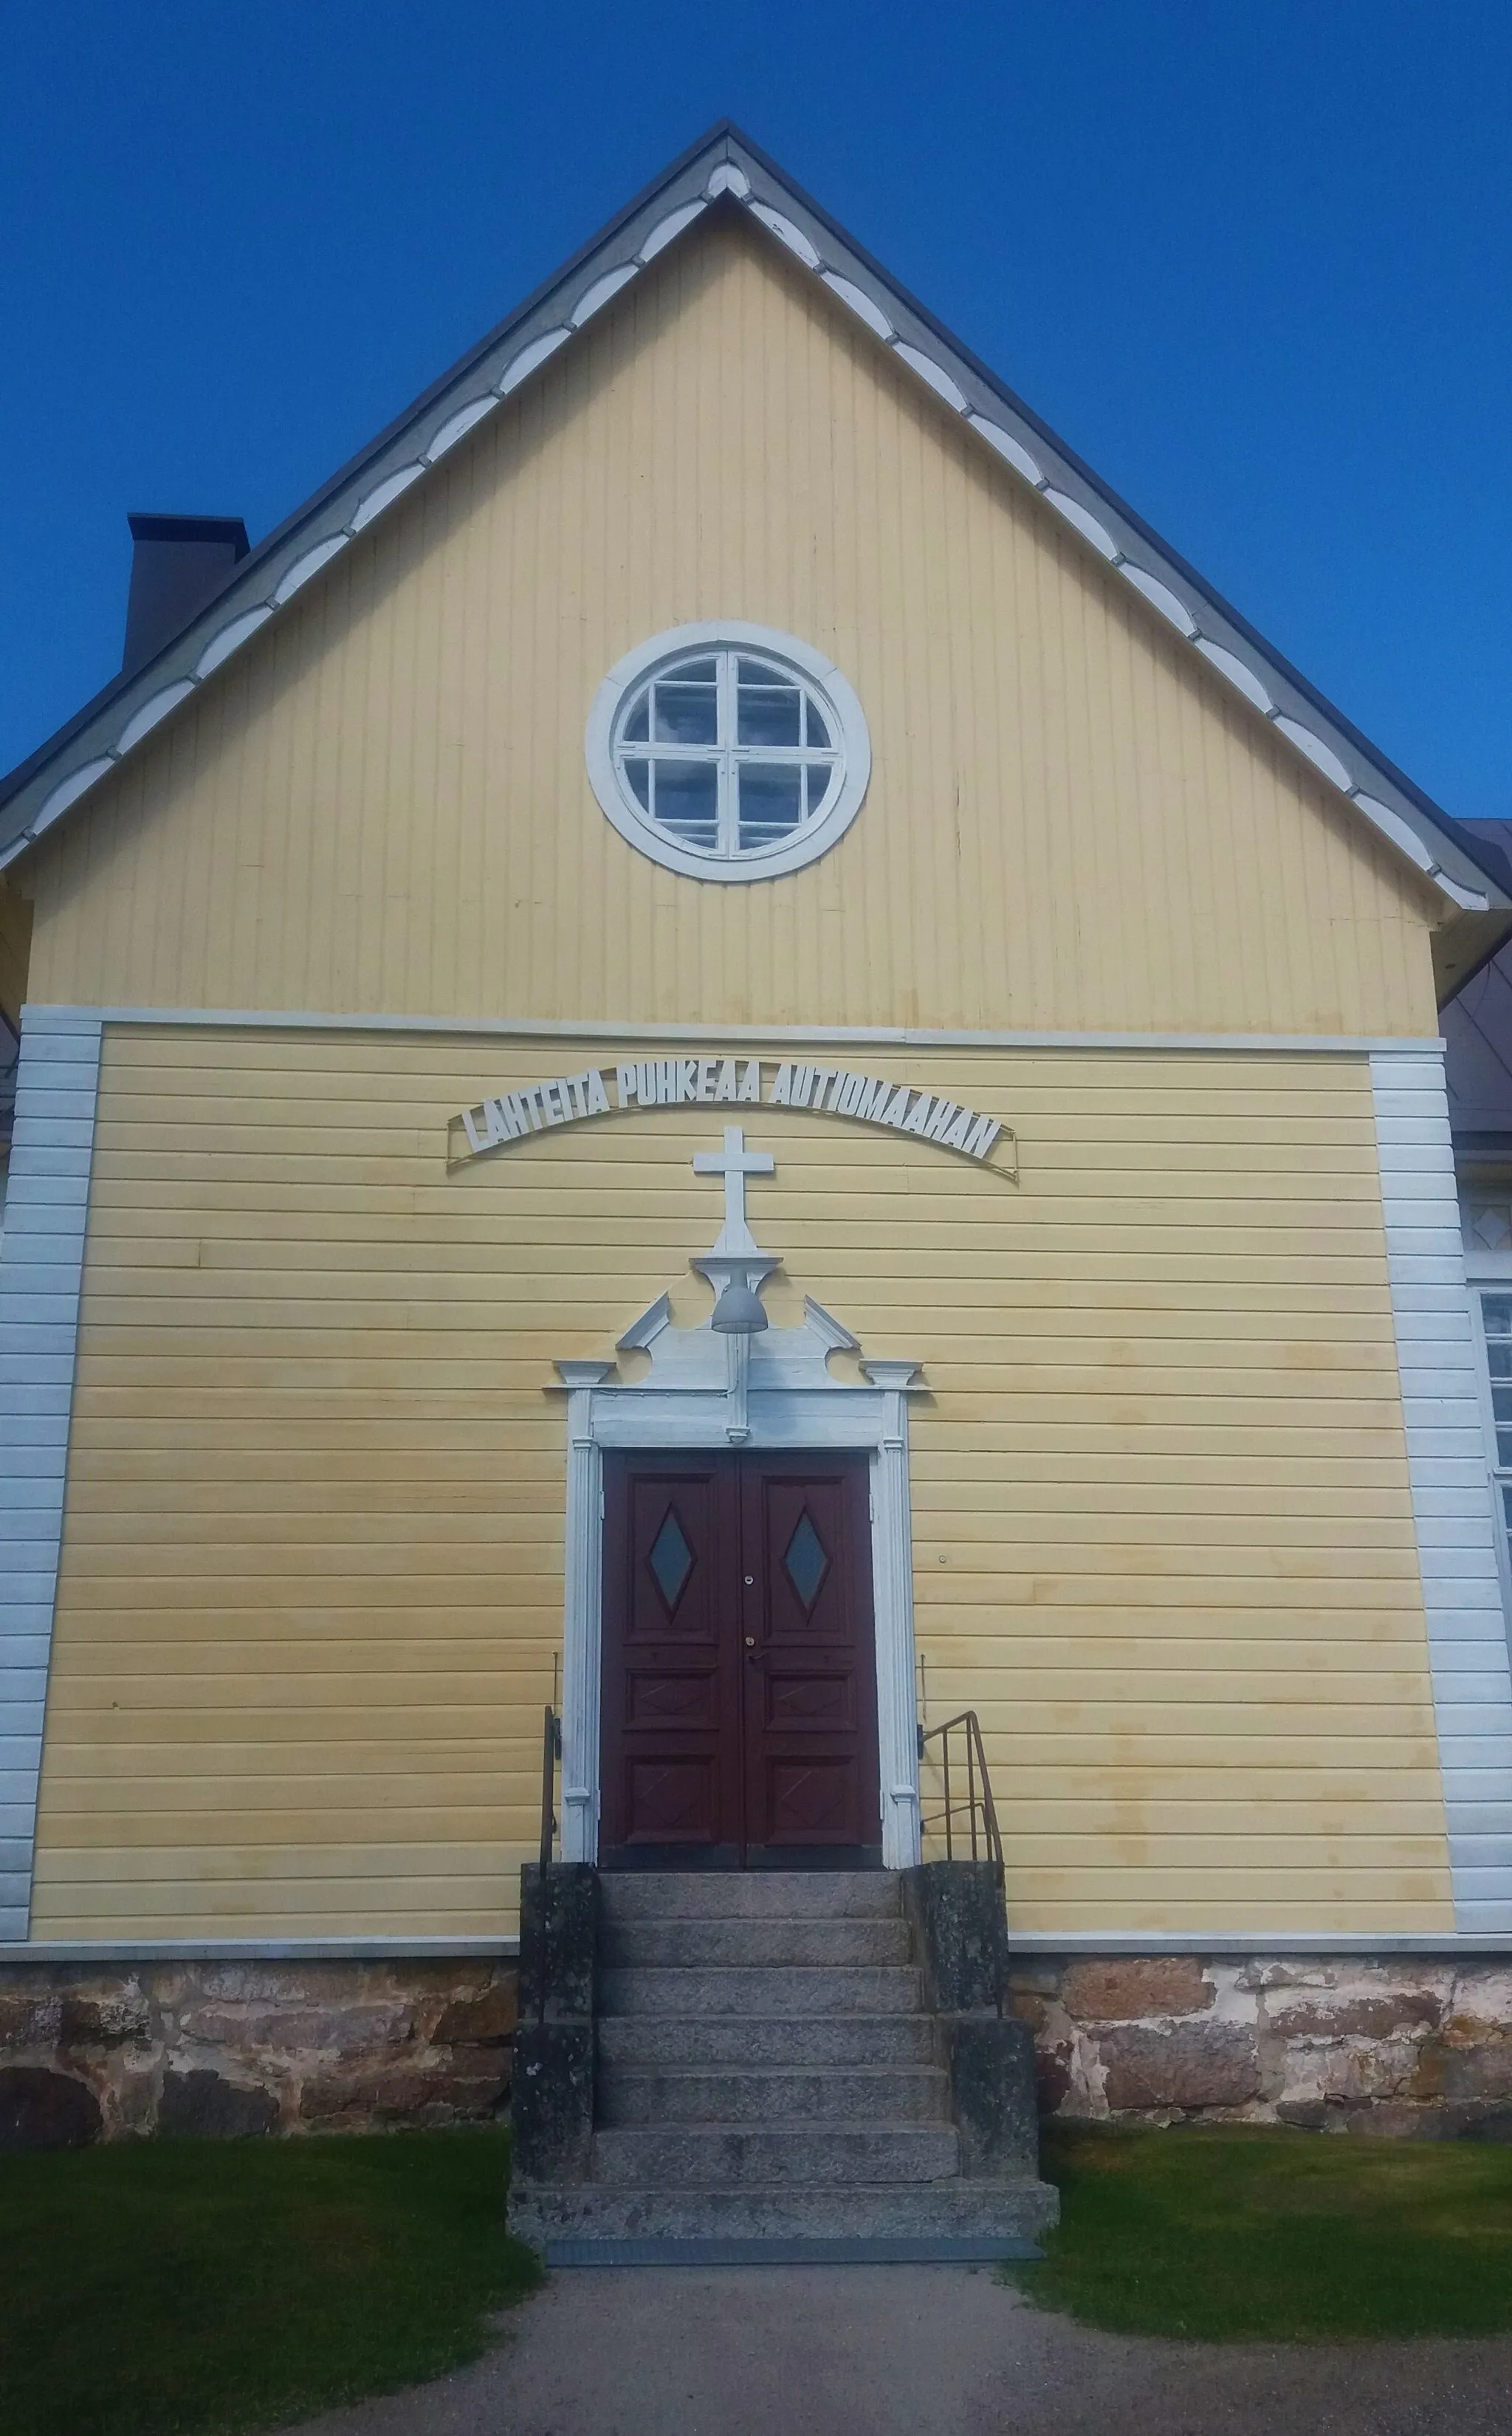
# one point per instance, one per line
(1411, 2046)
(94, 2051)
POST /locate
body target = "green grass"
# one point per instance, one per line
(191, 2287)
(1228, 2235)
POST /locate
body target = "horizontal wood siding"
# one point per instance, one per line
(381, 803)
(311, 1589)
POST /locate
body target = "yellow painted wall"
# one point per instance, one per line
(311, 1587)
(380, 805)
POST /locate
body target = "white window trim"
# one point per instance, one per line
(873, 1419)
(1481, 1267)
(767, 862)
(1495, 1472)
(1488, 1272)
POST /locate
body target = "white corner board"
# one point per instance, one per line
(42, 1259)
(1446, 1450)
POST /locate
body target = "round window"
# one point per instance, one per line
(728, 752)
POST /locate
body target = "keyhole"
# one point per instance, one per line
(750, 1641)
(749, 1579)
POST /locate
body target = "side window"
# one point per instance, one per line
(1495, 1314)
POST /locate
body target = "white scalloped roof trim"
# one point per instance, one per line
(530, 359)
(1085, 522)
(229, 639)
(1229, 665)
(458, 425)
(1391, 824)
(69, 790)
(157, 706)
(238, 630)
(791, 235)
(598, 293)
(865, 306)
(1160, 597)
(383, 494)
(1475, 900)
(726, 179)
(1246, 679)
(1322, 755)
(1006, 445)
(310, 564)
(671, 226)
(927, 370)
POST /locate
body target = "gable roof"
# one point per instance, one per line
(726, 172)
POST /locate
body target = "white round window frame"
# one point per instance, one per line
(764, 863)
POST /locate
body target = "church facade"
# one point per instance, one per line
(714, 1053)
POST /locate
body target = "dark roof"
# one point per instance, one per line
(1477, 1025)
(725, 171)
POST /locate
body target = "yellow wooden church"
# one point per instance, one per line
(714, 1051)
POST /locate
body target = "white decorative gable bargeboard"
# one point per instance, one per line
(728, 172)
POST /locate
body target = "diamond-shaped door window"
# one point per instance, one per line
(671, 1558)
(806, 1560)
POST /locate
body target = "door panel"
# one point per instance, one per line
(739, 1709)
(672, 1751)
(810, 1706)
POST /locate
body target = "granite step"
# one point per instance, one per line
(749, 1894)
(693, 1943)
(855, 2211)
(774, 1988)
(695, 2155)
(713, 2039)
(774, 2094)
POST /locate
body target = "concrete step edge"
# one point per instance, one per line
(812, 2042)
(791, 2250)
(783, 2211)
(779, 2071)
(863, 1895)
(809, 2130)
(727, 2156)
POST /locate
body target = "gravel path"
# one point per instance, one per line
(922, 2351)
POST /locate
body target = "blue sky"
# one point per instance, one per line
(1251, 261)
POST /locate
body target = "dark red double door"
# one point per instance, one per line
(740, 1691)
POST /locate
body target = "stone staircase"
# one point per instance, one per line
(768, 2081)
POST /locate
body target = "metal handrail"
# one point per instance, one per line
(551, 1753)
(977, 1801)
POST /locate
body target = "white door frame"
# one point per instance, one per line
(820, 1413)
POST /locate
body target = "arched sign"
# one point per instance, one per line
(642, 1082)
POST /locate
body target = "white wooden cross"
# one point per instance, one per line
(735, 1163)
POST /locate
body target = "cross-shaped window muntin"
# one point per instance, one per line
(729, 752)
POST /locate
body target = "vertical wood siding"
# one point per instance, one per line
(15, 947)
(311, 1587)
(381, 803)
